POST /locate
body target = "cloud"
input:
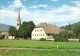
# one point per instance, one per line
(39, 6)
(18, 3)
(77, 3)
(60, 15)
(43, 5)
(34, 6)
(54, 0)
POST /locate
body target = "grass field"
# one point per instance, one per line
(65, 48)
(39, 53)
(39, 44)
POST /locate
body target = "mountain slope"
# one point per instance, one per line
(4, 27)
(72, 25)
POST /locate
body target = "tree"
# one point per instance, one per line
(68, 27)
(76, 29)
(12, 31)
(26, 29)
(66, 34)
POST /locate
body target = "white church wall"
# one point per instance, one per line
(38, 33)
(18, 25)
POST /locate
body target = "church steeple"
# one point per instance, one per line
(18, 21)
(19, 17)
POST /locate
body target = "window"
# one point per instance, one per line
(35, 30)
(40, 30)
(43, 34)
(35, 34)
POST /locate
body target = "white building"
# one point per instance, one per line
(44, 30)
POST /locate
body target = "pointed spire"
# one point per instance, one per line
(19, 16)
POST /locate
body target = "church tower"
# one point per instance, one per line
(18, 21)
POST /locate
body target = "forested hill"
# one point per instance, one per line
(5, 27)
(72, 25)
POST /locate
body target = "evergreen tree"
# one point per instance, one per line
(68, 27)
(76, 29)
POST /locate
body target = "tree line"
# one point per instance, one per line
(69, 33)
(27, 27)
(24, 30)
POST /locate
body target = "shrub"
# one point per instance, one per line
(57, 39)
(17, 38)
(42, 39)
(2, 36)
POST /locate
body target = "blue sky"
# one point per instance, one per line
(59, 12)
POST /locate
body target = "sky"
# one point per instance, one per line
(59, 12)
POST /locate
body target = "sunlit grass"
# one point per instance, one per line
(39, 44)
(53, 52)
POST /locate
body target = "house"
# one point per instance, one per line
(44, 30)
(0, 32)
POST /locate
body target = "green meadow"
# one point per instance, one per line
(65, 48)
(39, 53)
(39, 44)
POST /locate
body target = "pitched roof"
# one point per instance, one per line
(65, 30)
(0, 31)
(49, 28)
(5, 33)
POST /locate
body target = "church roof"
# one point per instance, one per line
(49, 28)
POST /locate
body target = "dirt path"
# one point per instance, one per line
(36, 49)
(22, 48)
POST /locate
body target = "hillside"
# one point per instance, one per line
(4, 27)
(72, 25)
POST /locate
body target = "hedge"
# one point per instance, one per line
(61, 40)
(42, 39)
